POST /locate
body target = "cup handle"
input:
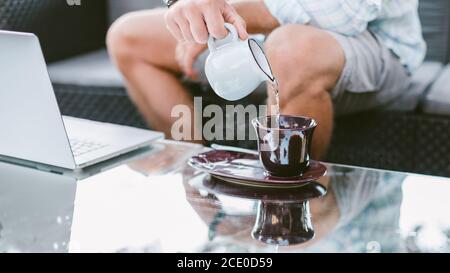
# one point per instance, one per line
(212, 41)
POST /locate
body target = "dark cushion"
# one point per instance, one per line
(116, 8)
(435, 18)
(437, 101)
(63, 30)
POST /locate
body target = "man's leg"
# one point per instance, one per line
(144, 51)
(307, 63)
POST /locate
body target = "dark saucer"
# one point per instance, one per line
(246, 169)
(216, 185)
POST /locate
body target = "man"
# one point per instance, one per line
(331, 57)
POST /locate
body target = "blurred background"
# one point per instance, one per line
(412, 134)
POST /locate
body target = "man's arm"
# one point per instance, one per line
(348, 17)
(256, 15)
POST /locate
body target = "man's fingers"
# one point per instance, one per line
(179, 54)
(241, 29)
(183, 25)
(183, 51)
(175, 30)
(215, 23)
(189, 63)
(198, 28)
(188, 68)
(232, 17)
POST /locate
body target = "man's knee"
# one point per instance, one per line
(119, 42)
(125, 38)
(294, 41)
(304, 59)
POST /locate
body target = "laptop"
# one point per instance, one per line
(32, 129)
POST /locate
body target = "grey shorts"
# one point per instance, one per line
(372, 76)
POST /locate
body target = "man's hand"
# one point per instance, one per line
(186, 54)
(194, 20)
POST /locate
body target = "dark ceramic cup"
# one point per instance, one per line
(284, 144)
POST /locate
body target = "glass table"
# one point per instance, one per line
(155, 202)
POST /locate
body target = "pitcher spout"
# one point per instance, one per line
(261, 61)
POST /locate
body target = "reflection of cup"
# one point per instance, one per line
(284, 143)
(283, 224)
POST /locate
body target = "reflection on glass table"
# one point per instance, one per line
(35, 210)
(282, 214)
(156, 203)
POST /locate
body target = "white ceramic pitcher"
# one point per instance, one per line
(236, 68)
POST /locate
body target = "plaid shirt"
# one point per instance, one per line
(395, 22)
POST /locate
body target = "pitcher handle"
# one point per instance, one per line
(212, 41)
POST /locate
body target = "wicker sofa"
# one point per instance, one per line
(412, 134)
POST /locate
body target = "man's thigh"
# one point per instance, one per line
(147, 38)
(372, 77)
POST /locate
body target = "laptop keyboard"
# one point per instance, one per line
(81, 147)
